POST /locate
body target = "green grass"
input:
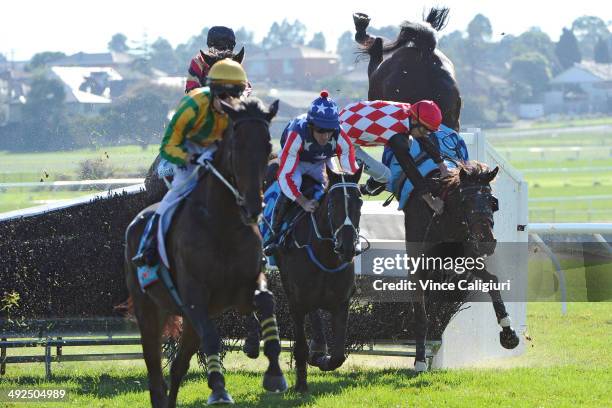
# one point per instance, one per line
(556, 124)
(31, 167)
(566, 364)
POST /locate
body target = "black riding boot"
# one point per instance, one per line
(148, 255)
(280, 209)
(401, 150)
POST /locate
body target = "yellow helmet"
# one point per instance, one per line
(227, 71)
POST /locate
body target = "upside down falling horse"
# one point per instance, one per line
(415, 68)
(216, 222)
(317, 270)
(467, 222)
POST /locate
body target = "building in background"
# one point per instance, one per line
(584, 88)
(296, 65)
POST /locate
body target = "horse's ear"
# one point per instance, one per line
(357, 175)
(489, 176)
(240, 56)
(208, 59)
(332, 176)
(272, 110)
(462, 174)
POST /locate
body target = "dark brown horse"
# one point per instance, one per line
(464, 229)
(215, 253)
(317, 270)
(155, 186)
(415, 69)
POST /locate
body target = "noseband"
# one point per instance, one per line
(240, 201)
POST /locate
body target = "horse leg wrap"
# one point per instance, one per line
(264, 301)
(269, 332)
(505, 322)
(214, 371)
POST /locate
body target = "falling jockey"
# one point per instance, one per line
(190, 139)
(308, 144)
(386, 123)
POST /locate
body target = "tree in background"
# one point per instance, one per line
(163, 57)
(318, 41)
(602, 52)
(567, 50)
(41, 60)
(138, 116)
(347, 49)
(186, 51)
(245, 38)
(284, 34)
(535, 40)
(118, 43)
(479, 32)
(479, 29)
(530, 74)
(46, 126)
(588, 30)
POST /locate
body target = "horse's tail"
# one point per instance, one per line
(437, 17)
(421, 35)
(173, 326)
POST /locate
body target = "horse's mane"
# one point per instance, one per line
(472, 168)
(421, 35)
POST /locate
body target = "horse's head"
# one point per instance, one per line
(344, 211)
(474, 205)
(245, 151)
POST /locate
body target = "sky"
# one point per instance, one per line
(31, 26)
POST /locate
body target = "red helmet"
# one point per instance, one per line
(427, 113)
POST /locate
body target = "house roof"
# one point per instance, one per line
(94, 59)
(585, 72)
(74, 77)
(292, 52)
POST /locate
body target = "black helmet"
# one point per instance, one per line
(221, 38)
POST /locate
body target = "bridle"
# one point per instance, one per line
(470, 194)
(347, 219)
(230, 184)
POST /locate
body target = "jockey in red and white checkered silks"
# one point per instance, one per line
(387, 123)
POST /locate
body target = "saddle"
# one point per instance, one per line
(310, 188)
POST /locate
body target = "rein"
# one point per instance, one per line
(208, 166)
(333, 238)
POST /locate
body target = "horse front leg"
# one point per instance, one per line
(196, 311)
(421, 325)
(339, 324)
(274, 380)
(507, 337)
(300, 350)
(318, 345)
(251, 342)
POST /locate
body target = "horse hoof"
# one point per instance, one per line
(219, 397)
(275, 383)
(420, 367)
(315, 359)
(508, 338)
(251, 348)
(301, 388)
